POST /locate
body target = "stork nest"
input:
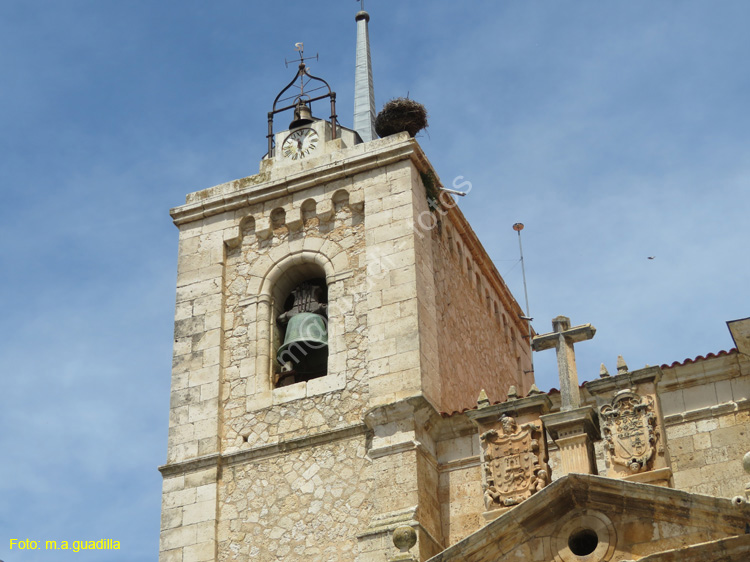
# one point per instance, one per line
(401, 114)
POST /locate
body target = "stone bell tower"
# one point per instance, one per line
(328, 309)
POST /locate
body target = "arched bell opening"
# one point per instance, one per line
(301, 319)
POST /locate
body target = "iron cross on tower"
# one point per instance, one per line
(562, 339)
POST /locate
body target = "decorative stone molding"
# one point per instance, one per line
(404, 538)
(574, 432)
(584, 535)
(630, 431)
(512, 468)
(633, 427)
(259, 453)
(513, 451)
(273, 185)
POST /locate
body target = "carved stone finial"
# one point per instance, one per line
(622, 367)
(483, 401)
(603, 372)
(404, 538)
(512, 393)
(534, 390)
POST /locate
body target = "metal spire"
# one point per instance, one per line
(364, 94)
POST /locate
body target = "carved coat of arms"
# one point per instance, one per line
(513, 470)
(630, 430)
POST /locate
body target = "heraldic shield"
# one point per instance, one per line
(629, 429)
(513, 471)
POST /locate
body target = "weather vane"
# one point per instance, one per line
(362, 4)
(302, 99)
(300, 47)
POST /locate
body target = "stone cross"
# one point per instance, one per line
(562, 339)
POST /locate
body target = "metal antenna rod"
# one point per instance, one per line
(518, 227)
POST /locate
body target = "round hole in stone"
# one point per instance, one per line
(583, 542)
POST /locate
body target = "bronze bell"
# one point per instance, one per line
(302, 115)
(305, 347)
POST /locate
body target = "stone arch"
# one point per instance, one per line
(247, 225)
(308, 210)
(340, 200)
(284, 274)
(278, 218)
(278, 280)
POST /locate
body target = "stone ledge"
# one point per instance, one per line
(394, 449)
(626, 380)
(535, 403)
(192, 465)
(708, 412)
(658, 477)
(386, 522)
(581, 420)
(460, 464)
(269, 189)
(263, 452)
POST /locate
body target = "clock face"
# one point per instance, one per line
(299, 144)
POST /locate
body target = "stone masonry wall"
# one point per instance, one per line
(254, 413)
(706, 454)
(188, 528)
(481, 345)
(307, 505)
(460, 491)
(255, 472)
(706, 405)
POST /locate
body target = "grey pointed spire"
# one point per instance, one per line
(364, 93)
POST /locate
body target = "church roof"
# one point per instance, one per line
(700, 358)
(674, 364)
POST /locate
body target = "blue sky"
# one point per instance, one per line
(614, 130)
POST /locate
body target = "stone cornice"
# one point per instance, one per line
(262, 452)
(626, 380)
(581, 419)
(485, 263)
(709, 412)
(263, 187)
(460, 464)
(535, 403)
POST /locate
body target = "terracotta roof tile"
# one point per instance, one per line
(700, 358)
(554, 390)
